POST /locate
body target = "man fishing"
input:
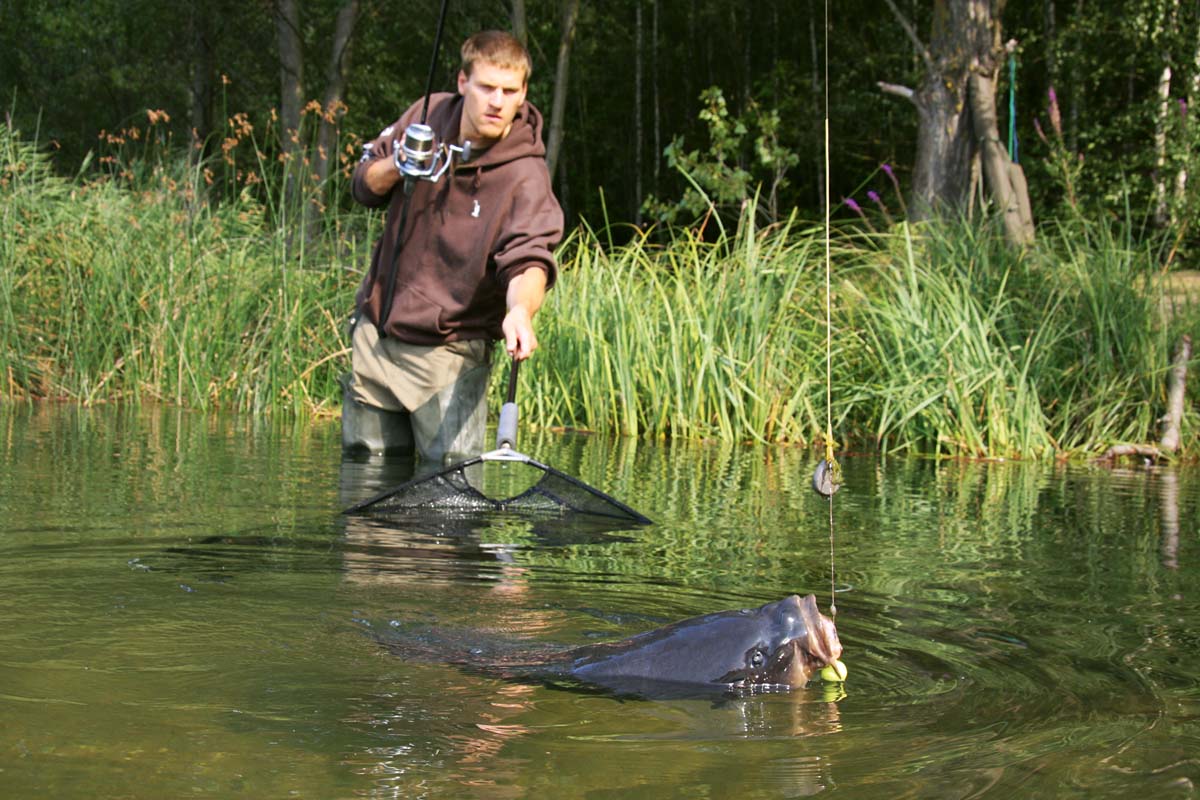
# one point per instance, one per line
(465, 259)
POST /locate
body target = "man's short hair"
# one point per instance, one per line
(498, 48)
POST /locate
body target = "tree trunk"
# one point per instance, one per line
(520, 25)
(291, 99)
(333, 108)
(1075, 90)
(333, 105)
(1193, 96)
(559, 105)
(818, 99)
(1176, 395)
(1176, 399)
(200, 91)
(747, 26)
(655, 99)
(291, 72)
(638, 131)
(956, 106)
(964, 34)
(1004, 178)
(1050, 27)
(1162, 214)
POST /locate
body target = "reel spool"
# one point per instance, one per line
(420, 157)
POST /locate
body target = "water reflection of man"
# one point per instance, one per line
(435, 549)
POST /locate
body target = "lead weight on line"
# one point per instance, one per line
(826, 480)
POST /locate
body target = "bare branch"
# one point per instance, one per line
(912, 34)
(1146, 451)
(896, 89)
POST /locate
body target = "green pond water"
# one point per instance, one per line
(184, 612)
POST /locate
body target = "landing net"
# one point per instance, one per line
(545, 490)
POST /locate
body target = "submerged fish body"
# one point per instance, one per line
(776, 647)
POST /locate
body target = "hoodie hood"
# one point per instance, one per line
(524, 139)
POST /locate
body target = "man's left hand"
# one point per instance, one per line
(519, 338)
(525, 294)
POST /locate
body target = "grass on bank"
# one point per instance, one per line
(141, 284)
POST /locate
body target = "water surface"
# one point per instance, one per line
(183, 612)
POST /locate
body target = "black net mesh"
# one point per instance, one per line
(522, 485)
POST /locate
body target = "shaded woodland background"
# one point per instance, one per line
(1125, 76)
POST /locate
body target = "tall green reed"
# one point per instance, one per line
(690, 338)
(138, 284)
(969, 347)
(1116, 345)
(942, 374)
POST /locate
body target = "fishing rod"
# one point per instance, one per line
(419, 156)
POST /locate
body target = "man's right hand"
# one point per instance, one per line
(382, 175)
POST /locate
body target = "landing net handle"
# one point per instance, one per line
(506, 431)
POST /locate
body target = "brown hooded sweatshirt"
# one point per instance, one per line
(466, 236)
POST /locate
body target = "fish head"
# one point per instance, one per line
(795, 641)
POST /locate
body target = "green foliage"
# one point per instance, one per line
(936, 366)
(80, 69)
(133, 286)
(744, 156)
(1098, 74)
(690, 340)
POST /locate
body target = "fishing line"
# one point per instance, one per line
(828, 477)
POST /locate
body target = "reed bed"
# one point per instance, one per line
(142, 283)
(133, 288)
(687, 338)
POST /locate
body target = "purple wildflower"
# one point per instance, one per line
(1055, 114)
(857, 209)
(887, 168)
(1037, 126)
(877, 200)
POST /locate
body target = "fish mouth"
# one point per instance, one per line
(797, 660)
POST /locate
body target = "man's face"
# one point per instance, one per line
(492, 96)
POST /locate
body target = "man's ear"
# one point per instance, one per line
(462, 82)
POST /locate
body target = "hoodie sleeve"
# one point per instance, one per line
(533, 228)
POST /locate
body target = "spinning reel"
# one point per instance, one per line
(419, 156)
